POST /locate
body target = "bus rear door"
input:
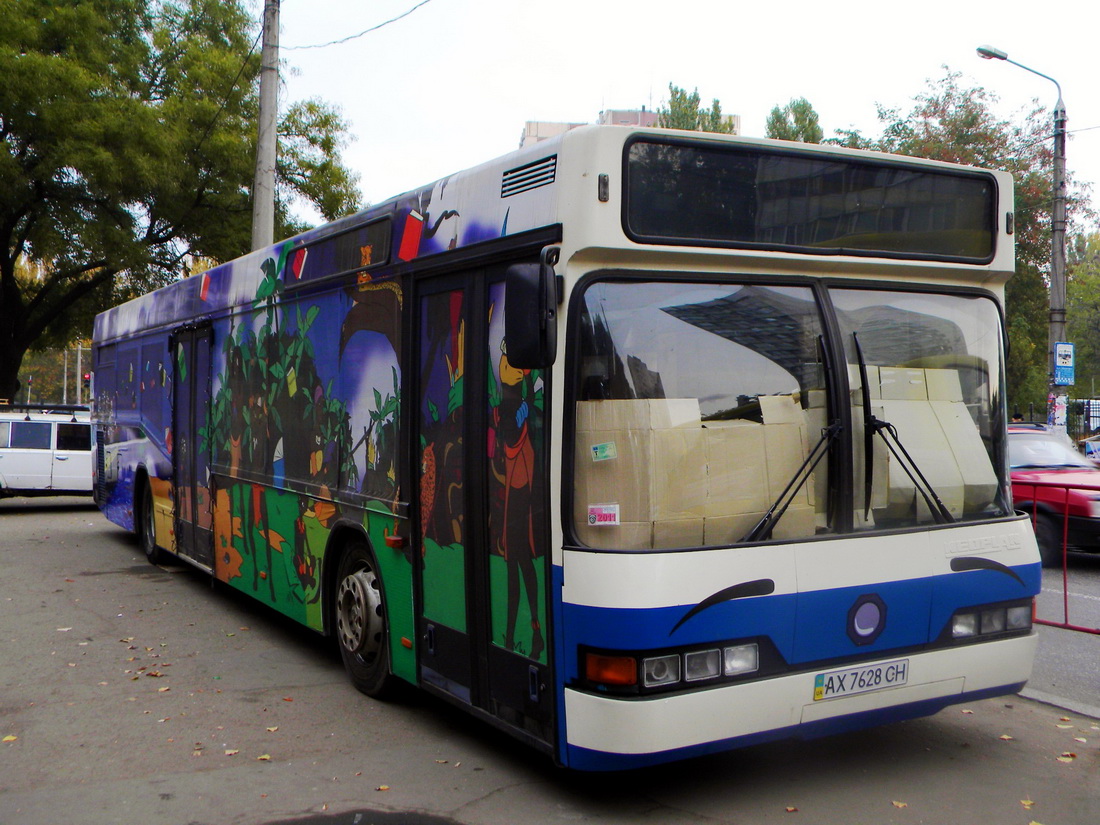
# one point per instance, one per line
(191, 448)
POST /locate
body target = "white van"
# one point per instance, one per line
(45, 451)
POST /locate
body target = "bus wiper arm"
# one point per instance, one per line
(762, 529)
(871, 426)
(939, 510)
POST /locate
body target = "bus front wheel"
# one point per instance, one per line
(361, 628)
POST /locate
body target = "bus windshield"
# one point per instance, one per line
(709, 413)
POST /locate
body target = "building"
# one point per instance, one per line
(537, 130)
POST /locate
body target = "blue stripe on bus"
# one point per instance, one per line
(805, 627)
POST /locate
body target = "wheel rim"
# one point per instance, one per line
(359, 614)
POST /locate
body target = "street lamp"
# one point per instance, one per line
(1058, 224)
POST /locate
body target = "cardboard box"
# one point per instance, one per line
(737, 478)
(919, 431)
(649, 474)
(901, 384)
(727, 530)
(943, 385)
(645, 461)
(978, 478)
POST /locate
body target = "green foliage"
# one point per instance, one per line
(795, 121)
(127, 134)
(1083, 310)
(684, 112)
(311, 135)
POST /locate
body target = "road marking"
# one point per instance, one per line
(1058, 590)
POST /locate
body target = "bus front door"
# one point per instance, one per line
(191, 450)
(482, 532)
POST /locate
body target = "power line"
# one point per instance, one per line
(354, 36)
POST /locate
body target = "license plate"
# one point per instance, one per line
(860, 679)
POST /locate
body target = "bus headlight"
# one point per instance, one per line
(964, 625)
(741, 659)
(661, 670)
(702, 664)
(1018, 618)
(993, 620)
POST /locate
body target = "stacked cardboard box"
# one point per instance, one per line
(651, 474)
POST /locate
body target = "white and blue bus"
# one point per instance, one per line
(638, 444)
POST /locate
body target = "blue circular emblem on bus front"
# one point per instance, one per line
(866, 619)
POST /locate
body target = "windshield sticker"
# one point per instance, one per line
(603, 515)
(604, 452)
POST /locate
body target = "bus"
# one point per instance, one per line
(637, 444)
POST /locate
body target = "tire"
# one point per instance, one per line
(146, 529)
(362, 632)
(1048, 534)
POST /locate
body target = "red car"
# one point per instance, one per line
(1059, 486)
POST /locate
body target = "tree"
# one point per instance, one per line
(795, 121)
(954, 123)
(683, 112)
(1083, 310)
(127, 130)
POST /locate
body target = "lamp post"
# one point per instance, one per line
(1057, 331)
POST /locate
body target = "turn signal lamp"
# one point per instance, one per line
(611, 670)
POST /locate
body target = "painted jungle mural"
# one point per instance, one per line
(288, 429)
(515, 442)
(304, 408)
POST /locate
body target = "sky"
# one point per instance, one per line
(452, 83)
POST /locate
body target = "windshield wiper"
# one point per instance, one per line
(873, 425)
(763, 528)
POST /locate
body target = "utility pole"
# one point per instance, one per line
(263, 187)
(1057, 394)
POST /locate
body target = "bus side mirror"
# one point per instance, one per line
(531, 313)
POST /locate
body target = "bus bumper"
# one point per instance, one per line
(615, 733)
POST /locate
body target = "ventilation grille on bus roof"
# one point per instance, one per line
(531, 176)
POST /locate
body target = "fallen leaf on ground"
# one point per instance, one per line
(232, 751)
(966, 710)
(266, 757)
(1080, 739)
(1067, 757)
(1027, 803)
(273, 728)
(1063, 727)
(900, 804)
(382, 788)
(1006, 737)
(10, 738)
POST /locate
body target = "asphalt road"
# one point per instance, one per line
(136, 694)
(1067, 667)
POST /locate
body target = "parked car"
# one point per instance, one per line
(45, 451)
(1057, 485)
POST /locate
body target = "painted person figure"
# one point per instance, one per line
(519, 472)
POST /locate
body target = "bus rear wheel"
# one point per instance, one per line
(361, 629)
(146, 527)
